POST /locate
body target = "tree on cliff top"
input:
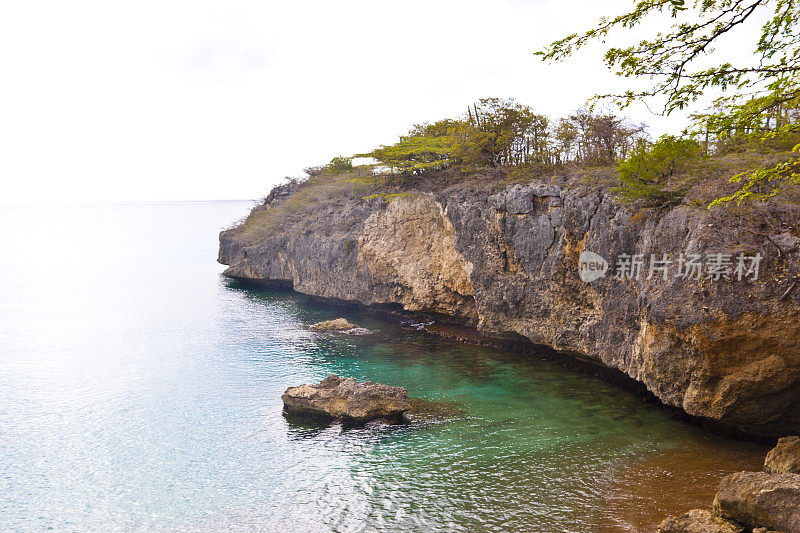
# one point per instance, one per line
(496, 132)
(756, 89)
(425, 147)
(647, 173)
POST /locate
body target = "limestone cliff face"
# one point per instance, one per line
(411, 245)
(507, 261)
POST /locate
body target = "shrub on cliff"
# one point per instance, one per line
(650, 171)
(340, 164)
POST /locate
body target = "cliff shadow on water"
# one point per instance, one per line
(457, 330)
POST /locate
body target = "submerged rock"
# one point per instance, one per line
(760, 499)
(785, 457)
(422, 410)
(335, 398)
(699, 521)
(339, 324)
(358, 331)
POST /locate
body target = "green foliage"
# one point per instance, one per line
(767, 122)
(426, 147)
(500, 133)
(494, 132)
(759, 89)
(340, 164)
(648, 173)
(669, 59)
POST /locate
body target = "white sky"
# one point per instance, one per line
(191, 99)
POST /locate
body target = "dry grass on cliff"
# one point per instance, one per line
(308, 206)
(317, 203)
(710, 178)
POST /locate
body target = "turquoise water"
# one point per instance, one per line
(139, 390)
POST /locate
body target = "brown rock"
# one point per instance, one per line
(699, 521)
(412, 245)
(335, 398)
(759, 499)
(339, 324)
(785, 457)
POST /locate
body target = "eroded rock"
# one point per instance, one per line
(411, 246)
(760, 499)
(785, 457)
(339, 324)
(336, 398)
(699, 521)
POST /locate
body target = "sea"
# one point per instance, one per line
(140, 390)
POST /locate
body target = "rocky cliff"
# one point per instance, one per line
(506, 259)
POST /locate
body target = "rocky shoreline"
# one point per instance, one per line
(763, 502)
(504, 259)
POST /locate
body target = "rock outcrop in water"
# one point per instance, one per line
(505, 259)
(335, 398)
(338, 324)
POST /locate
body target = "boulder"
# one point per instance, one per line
(335, 398)
(699, 521)
(785, 457)
(339, 324)
(760, 499)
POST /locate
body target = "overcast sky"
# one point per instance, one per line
(189, 99)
